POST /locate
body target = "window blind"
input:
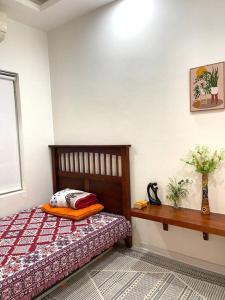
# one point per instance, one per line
(10, 166)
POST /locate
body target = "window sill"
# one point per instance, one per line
(21, 192)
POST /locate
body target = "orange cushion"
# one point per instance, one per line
(70, 213)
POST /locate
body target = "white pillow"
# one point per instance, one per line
(62, 198)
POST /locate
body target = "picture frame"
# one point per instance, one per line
(207, 87)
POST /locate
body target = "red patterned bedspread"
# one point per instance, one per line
(37, 249)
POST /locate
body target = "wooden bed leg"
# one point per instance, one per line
(128, 241)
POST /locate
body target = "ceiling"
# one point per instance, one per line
(42, 1)
(48, 14)
(39, 1)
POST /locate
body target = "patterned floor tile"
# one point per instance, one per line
(117, 261)
(124, 285)
(80, 287)
(132, 275)
(207, 290)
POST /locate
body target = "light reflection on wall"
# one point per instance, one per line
(131, 16)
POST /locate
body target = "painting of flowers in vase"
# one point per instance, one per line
(207, 87)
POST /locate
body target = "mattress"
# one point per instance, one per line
(37, 249)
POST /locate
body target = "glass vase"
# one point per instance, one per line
(205, 200)
(175, 204)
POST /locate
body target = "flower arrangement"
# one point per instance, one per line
(205, 160)
(176, 190)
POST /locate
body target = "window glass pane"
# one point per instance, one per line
(10, 175)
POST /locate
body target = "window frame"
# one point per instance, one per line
(18, 126)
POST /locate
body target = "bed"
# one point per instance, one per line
(37, 250)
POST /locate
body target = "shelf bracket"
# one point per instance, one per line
(205, 236)
(165, 227)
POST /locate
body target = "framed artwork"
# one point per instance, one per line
(207, 87)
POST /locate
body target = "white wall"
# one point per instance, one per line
(25, 51)
(115, 83)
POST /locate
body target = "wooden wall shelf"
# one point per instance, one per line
(183, 217)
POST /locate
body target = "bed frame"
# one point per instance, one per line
(103, 170)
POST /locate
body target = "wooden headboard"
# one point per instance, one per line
(103, 170)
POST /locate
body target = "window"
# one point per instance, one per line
(10, 164)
